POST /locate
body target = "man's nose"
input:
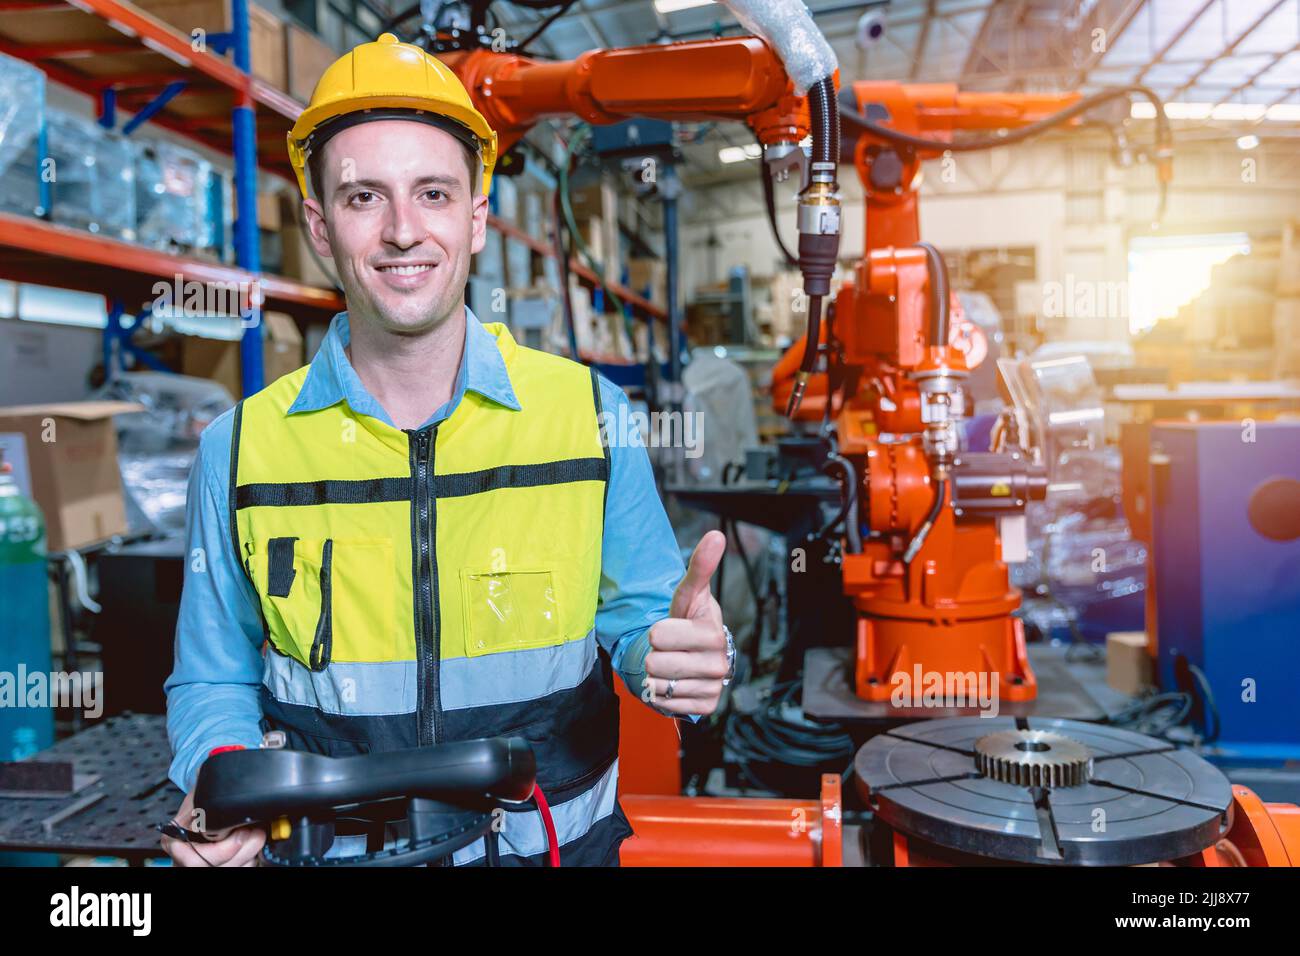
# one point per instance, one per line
(402, 227)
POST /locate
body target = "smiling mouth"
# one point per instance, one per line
(405, 270)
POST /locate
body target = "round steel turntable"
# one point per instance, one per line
(1043, 790)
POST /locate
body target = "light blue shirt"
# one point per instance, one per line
(212, 693)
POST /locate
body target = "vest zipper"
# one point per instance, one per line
(424, 556)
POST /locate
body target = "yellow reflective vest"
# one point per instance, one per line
(434, 584)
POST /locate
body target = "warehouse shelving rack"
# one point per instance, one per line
(127, 59)
(577, 267)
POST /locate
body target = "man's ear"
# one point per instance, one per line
(478, 237)
(316, 228)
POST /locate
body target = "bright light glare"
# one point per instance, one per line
(1238, 111)
(1191, 111)
(1250, 112)
(1249, 141)
(1283, 112)
(738, 154)
(1166, 274)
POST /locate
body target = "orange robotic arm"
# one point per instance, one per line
(734, 78)
(889, 176)
(737, 78)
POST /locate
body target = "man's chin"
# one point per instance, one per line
(409, 317)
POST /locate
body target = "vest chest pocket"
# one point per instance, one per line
(328, 599)
(509, 611)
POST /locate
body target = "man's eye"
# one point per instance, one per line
(362, 198)
(437, 195)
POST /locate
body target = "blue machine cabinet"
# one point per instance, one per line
(1226, 563)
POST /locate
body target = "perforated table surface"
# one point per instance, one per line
(130, 755)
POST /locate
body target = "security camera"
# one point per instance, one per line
(871, 28)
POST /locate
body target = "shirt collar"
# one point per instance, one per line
(331, 378)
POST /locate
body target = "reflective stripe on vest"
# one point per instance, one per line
(433, 584)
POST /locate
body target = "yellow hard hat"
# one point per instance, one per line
(376, 79)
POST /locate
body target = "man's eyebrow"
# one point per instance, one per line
(433, 179)
(439, 179)
(360, 183)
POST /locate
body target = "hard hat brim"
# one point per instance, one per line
(331, 128)
(307, 138)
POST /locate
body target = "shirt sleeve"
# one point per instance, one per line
(640, 561)
(212, 693)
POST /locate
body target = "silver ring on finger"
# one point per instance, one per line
(672, 687)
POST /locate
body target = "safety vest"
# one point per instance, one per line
(435, 584)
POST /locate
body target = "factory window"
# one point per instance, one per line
(1166, 273)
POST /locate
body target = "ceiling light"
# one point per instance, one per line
(1238, 111)
(1247, 112)
(1285, 112)
(1190, 111)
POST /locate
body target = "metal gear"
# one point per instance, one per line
(1033, 758)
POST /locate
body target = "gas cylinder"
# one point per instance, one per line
(25, 629)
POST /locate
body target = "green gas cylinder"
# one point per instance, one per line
(24, 621)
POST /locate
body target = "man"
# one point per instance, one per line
(422, 536)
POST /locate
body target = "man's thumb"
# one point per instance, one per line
(704, 561)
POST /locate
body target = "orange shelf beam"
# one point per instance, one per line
(32, 250)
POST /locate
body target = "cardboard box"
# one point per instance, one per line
(218, 360)
(306, 57)
(652, 273)
(1286, 337)
(1128, 662)
(72, 463)
(1286, 323)
(268, 211)
(298, 260)
(266, 46)
(265, 31)
(1288, 265)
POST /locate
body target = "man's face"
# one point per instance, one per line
(396, 212)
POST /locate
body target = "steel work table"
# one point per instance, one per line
(130, 754)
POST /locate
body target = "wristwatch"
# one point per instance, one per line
(731, 656)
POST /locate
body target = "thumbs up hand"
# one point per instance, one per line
(688, 661)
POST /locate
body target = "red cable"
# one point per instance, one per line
(553, 841)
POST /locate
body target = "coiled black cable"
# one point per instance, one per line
(939, 302)
(769, 201)
(923, 532)
(848, 513)
(823, 111)
(768, 736)
(1163, 143)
